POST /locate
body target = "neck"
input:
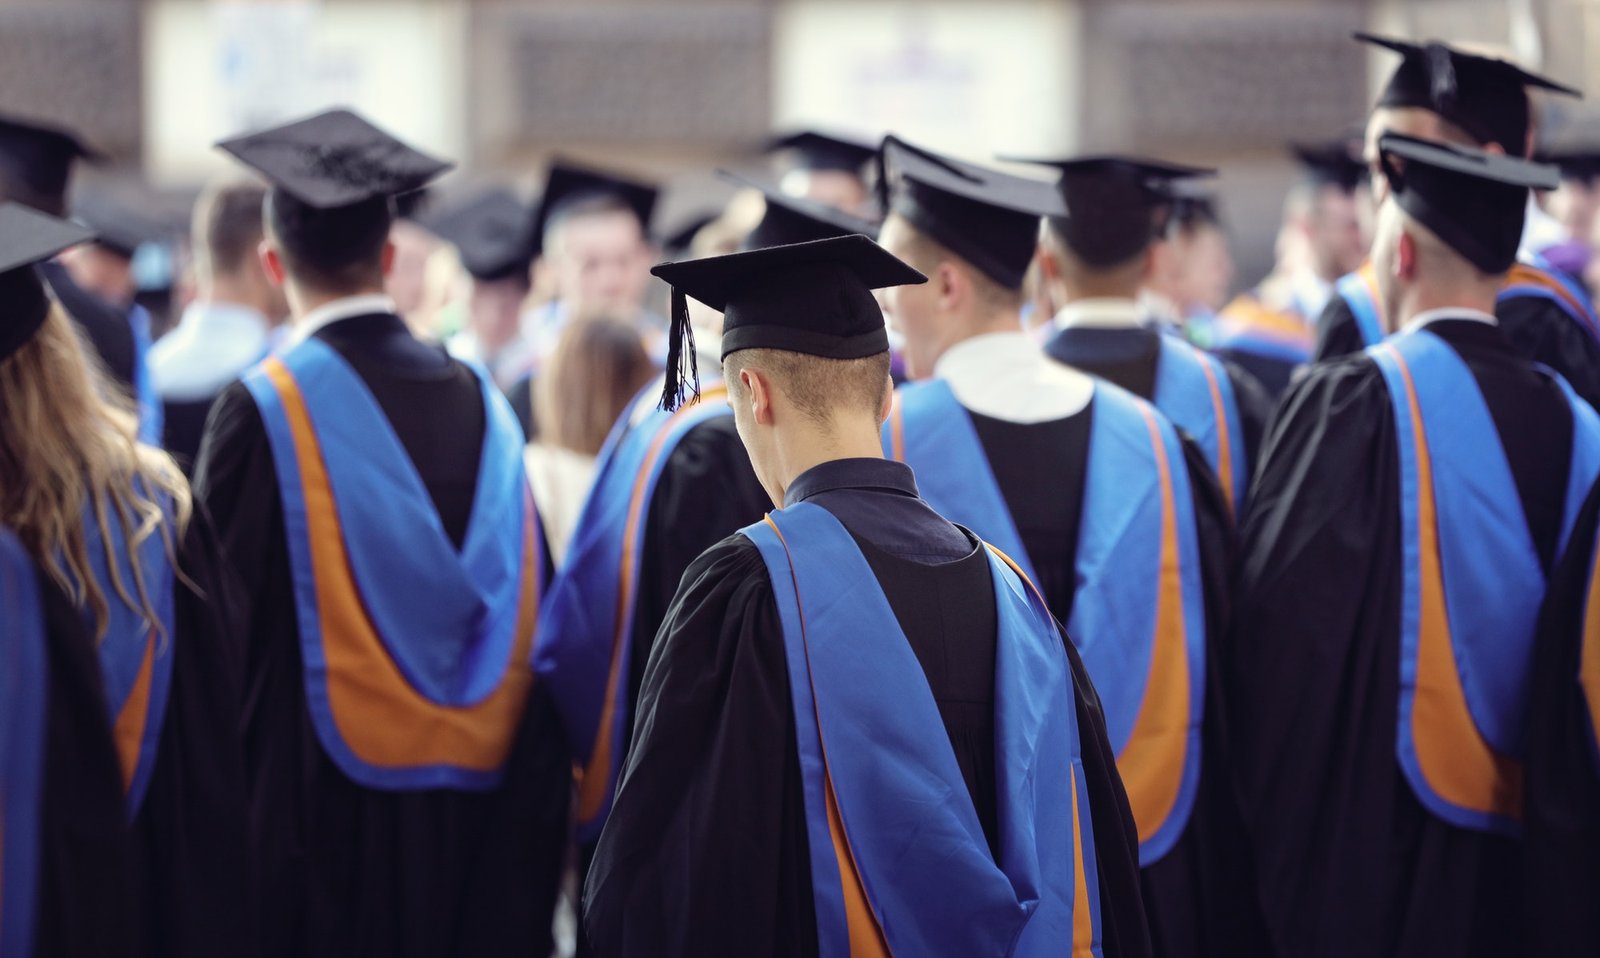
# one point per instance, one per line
(303, 300)
(223, 289)
(801, 450)
(1425, 298)
(983, 323)
(1075, 292)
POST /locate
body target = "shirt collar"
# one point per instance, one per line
(879, 475)
(1103, 312)
(1007, 376)
(1449, 312)
(348, 307)
(215, 317)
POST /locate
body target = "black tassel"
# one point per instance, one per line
(680, 346)
(1442, 70)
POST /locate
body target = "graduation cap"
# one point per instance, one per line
(569, 185)
(1331, 163)
(986, 217)
(335, 159)
(40, 157)
(814, 150)
(1581, 165)
(1475, 202)
(1113, 203)
(117, 226)
(28, 237)
(1187, 208)
(813, 298)
(1485, 96)
(491, 233)
(790, 219)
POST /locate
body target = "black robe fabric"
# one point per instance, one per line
(1537, 329)
(344, 869)
(182, 426)
(706, 849)
(1561, 824)
(1200, 897)
(174, 882)
(1349, 862)
(1128, 357)
(105, 328)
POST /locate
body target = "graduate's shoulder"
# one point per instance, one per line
(1340, 384)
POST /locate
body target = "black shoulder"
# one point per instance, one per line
(1337, 331)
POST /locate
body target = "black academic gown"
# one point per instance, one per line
(344, 869)
(1200, 896)
(105, 328)
(1561, 814)
(1129, 356)
(1349, 861)
(174, 882)
(706, 851)
(183, 424)
(1537, 329)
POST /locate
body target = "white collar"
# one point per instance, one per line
(1007, 376)
(1101, 312)
(331, 312)
(1449, 312)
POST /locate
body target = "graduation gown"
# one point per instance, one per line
(105, 328)
(1561, 826)
(706, 851)
(1130, 357)
(1349, 859)
(1266, 342)
(1539, 328)
(343, 868)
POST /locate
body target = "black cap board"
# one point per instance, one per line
(40, 156)
(335, 159)
(491, 234)
(28, 237)
(1580, 165)
(569, 184)
(118, 226)
(1335, 163)
(1188, 208)
(1114, 204)
(1484, 96)
(815, 150)
(790, 219)
(986, 217)
(813, 298)
(1475, 202)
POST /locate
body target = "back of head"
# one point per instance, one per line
(824, 391)
(598, 367)
(226, 228)
(334, 250)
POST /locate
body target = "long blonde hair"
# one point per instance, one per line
(599, 364)
(67, 441)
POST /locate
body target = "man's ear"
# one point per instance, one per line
(386, 258)
(756, 386)
(953, 288)
(1049, 269)
(1405, 261)
(272, 263)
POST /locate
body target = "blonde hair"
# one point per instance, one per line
(599, 364)
(67, 451)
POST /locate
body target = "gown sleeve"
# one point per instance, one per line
(1255, 409)
(1544, 333)
(1337, 332)
(680, 869)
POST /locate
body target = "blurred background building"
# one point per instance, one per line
(674, 88)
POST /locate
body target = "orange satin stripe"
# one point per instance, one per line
(1589, 654)
(594, 776)
(1459, 765)
(382, 719)
(1082, 920)
(1249, 313)
(1523, 274)
(128, 730)
(897, 430)
(1224, 445)
(865, 934)
(1152, 762)
(1369, 278)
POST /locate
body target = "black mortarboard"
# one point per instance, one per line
(813, 150)
(1475, 202)
(490, 233)
(1113, 204)
(787, 219)
(1582, 165)
(986, 217)
(1484, 96)
(813, 298)
(28, 237)
(569, 185)
(39, 156)
(334, 159)
(117, 226)
(1332, 163)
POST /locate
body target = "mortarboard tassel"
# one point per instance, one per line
(1442, 71)
(680, 345)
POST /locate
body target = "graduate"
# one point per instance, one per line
(141, 830)
(1410, 504)
(670, 485)
(1442, 93)
(1270, 330)
(1097, 258)
(832, 754)
(408, 782)
(492, 234)
(36, 163)
(827, 168)
(1052, 467)
(1192, 267)
(230, 325)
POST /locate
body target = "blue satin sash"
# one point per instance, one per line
(1360, 292)
(1194, 391)
(899, 861)
(23, 683)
